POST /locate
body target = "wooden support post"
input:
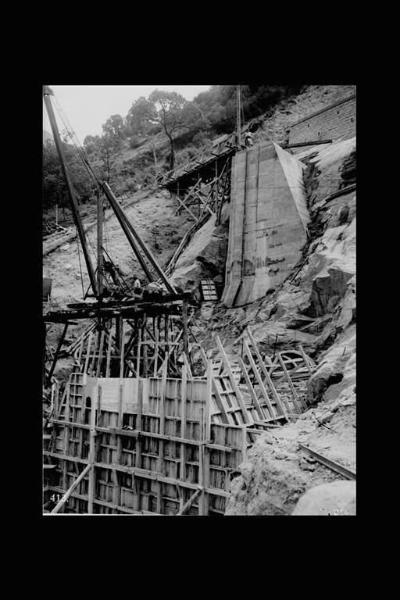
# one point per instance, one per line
(183, 423)
(185, 328)
(92, 362)
(138, 357)
(85, 368)
(206, 440)
(92, 450)
(296, 400)
(183, 205)
(120, 405)
(60, 342)
(201, 462)
(100, 219)
(139, 396)
(109, 353)
(157, 332)
(121, 349)
(100, 358)
(251, 388)
(187, 365)
(244, 444)
(67, 494)
(160, 468)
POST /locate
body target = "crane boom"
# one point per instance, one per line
(47, 92)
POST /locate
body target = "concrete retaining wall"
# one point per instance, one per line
(268, 222)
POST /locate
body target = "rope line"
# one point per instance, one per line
(80, 269)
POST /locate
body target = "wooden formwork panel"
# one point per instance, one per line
(155, 454)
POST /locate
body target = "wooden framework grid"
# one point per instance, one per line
(163, 442)
(131, 348)
(150, 445)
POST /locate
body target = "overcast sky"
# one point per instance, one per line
(87, 107)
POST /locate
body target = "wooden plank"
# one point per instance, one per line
(258, 378)
(139, 395)
(253, 394)
(99, 361)
(68, 493)
(108, 354)
(188, 503)
(266, 374)
(156, 352)
(328, 462)
(292, 372)
(92, 361)
(85, 368)
(201, 464)
(206, 438)
(187, 365)
(226, 417)
(121, 346)
(183, 205)
(307, 359)
(296, 400)
(235, 388)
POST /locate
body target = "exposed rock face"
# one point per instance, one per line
(204, 257)
(329, 499)
(337, 369)
(315, 306)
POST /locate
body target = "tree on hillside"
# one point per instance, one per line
(174, 114)
(54, 186)
(140, 117)
(109, 145)
(114, 127)
(92, 143)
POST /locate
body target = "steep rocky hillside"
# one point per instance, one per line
(315, 306)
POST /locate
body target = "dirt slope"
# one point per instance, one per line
(153, 214)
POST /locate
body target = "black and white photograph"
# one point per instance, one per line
(198, 300)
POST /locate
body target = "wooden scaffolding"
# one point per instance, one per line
(202, 188)
(134, 432)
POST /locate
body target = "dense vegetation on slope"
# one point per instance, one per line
(158, 133)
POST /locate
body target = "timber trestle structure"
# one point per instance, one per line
(201, 188)
(149, 437)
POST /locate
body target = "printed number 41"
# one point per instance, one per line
(55, 497)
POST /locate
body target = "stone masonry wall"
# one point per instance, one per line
(335, 122)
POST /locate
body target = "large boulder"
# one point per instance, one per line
(336, 370)
(329, 499)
